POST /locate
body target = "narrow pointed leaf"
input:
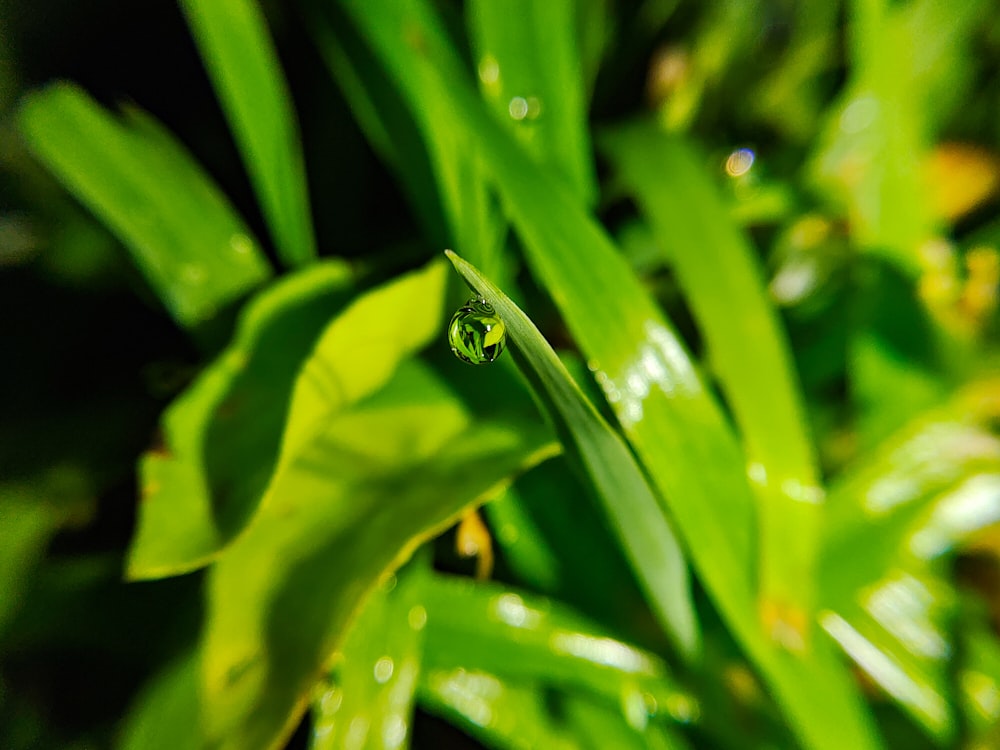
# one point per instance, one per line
(628, 502)
(240, 59)
(186, 239)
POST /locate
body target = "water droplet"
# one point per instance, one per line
(417, 617)
(739, 162)
(383, 670)
(476, 334)
(518, 108)
(534, 107)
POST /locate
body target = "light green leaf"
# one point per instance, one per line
(723, 282)
(347, 509)
(183, 235)
(513, 634)
(243, 65)
(626, 498)
(531, 73)
(221, 437)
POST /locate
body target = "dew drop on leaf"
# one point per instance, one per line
(476, 334)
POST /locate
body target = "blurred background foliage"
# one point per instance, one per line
(739, 473)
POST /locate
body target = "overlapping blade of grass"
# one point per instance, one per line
(367, 698)
(722, 281)
(509, 714)
(351, 506)
(628, 502)
(423, 145)
(187, 240)
(243, 65)
(893, 521)
(677, 429)
(531, 73)
(222, 435)
(513, 634)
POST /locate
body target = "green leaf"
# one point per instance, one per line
(499, 714)
(678, 431)
(892, 519)
(366, 701)
(722, 280)
(350, 506)
(183, 234)
(626, 498)
(243, 65)
(222, 436)
(518, 636)
(510, 714)
(531, 73)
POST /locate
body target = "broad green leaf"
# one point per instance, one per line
(629, 504)
(678, 431)
(531, 73)
(350, 506)
(501, 715)
(366, 700)
(723, 282)
(510, 714)
(243, 65)
(183, 235)
(221, 437)
(510, 633)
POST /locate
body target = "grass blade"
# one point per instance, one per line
(628, 502)
(722, 280)
(241, 61)
(532, 76)
(184, 236)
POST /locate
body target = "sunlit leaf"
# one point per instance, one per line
(351, 505)
(221, 437)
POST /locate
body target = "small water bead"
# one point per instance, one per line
(476, 333)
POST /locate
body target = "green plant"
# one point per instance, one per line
(740, 471)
